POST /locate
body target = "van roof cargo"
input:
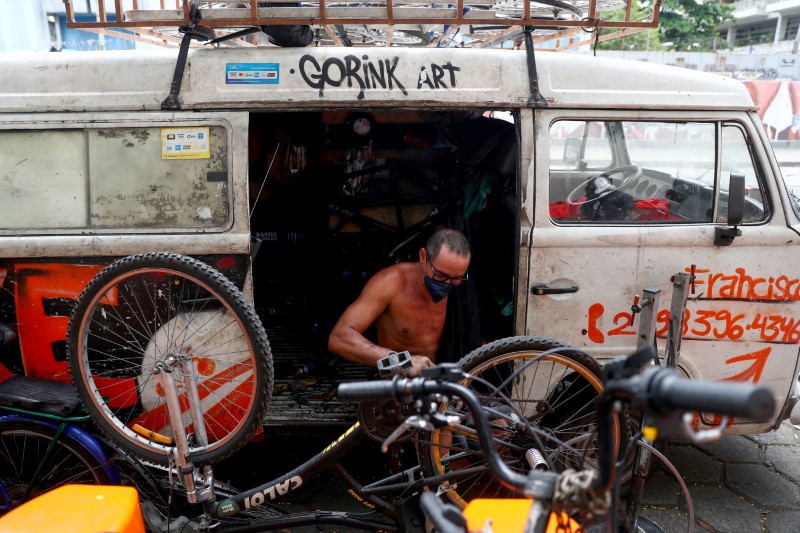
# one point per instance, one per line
(561, 24)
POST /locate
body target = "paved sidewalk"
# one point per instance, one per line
(738, 484)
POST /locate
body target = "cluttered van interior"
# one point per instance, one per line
(335, 196)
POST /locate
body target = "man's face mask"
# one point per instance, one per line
(438, 289)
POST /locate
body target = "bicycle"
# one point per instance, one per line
(171, 362)
(46, 443)
(557, 499)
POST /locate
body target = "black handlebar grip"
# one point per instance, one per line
(367, 390)
(670, 391)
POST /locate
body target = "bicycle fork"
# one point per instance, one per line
(199, 486)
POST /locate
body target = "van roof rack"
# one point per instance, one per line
(560, 24)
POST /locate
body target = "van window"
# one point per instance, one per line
(43, 174)
(113, 178)
(653, 172)
(737, 158)
(579, 143)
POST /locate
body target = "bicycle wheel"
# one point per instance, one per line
(363, 35)
(556, 393)
(27, 470)
(142, 311)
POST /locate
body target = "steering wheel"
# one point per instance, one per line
(580, 191)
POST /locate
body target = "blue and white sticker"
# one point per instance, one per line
(252, 73)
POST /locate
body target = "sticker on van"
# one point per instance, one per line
(185, 143)
(252, 73)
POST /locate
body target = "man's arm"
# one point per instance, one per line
(347, 337)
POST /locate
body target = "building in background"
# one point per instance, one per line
(764, 26)
(40, 25)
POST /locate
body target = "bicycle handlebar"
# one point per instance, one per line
(671, 392)
(368, 390)
(658, 391)
(663, 392)
(446, 518)
(403, 390)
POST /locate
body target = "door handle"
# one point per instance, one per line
(543, 288)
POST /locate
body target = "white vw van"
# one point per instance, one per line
(334, 162)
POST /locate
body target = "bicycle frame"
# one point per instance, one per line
(274, 490)
(266, 494)
(200, 486)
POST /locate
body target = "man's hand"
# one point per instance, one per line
(418, 362)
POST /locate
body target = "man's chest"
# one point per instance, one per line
(417, 318)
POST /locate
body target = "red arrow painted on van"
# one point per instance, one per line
(752, 372)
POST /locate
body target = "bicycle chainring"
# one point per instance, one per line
(379, 418)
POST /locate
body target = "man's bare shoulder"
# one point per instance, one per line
(395, 274)
(387, 283)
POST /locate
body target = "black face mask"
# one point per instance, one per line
(438, 289)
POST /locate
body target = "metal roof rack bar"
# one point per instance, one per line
(561, 19)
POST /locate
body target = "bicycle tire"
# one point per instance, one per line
(570, 381)
(23, 447)
(362, 35)
(554, 5)
(144, 308)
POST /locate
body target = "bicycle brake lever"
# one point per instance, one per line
(414, 422)
(702, 435)
(444, 372)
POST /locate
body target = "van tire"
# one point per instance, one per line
(137, 313)
(570, 373)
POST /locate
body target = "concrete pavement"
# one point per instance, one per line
(737, 484)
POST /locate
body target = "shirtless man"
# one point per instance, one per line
(407, 303)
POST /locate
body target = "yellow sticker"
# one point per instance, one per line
(185, 143)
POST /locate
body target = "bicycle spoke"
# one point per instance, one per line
(164, 312)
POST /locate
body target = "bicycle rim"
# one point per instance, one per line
(556, 393)
(23, 449)
(134, 316)
(375, 36)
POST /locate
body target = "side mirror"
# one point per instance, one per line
(572, 151)
(736, 199)
(725, 236)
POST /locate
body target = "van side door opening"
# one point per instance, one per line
(338, 195)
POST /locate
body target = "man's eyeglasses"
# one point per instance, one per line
(439, 276)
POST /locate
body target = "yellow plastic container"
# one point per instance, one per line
(78, 509)
(509, 516)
